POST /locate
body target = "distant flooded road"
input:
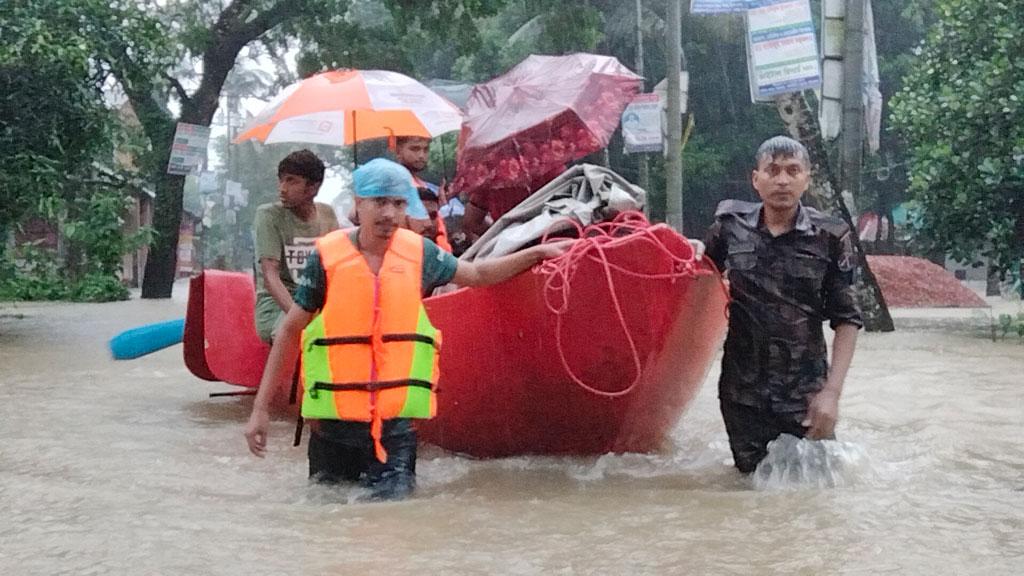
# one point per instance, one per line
(128, 468)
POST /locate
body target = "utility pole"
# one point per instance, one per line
(802, 124)
(645, 174)
(674, 159)
(853, 98)
(875, 309)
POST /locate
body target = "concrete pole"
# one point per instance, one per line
(853, 100)
(674, 157)
(645, 174)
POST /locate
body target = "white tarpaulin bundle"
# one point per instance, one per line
(585, 193)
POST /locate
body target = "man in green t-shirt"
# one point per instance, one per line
(284, 233)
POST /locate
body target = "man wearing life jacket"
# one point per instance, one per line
(433, 226)
(413, 152)
(369, 352)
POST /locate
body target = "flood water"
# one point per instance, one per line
(128, 468)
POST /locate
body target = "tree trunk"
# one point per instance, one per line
(1019, 237)
(162, 259)
(803, 126)
(162, 262)
(237, 25)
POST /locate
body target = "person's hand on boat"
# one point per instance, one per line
(553, 249)
(256, 432)
(442, 192)
(725, 281)
(698, 249)
(822, 414)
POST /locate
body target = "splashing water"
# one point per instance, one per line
(795, 463)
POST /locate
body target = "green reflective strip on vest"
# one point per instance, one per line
(417, 400)
(316, 367)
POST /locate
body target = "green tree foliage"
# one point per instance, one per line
(159, 45)
(53, 123)
(961, 114)
(57, 142)
(899, 28)
(170, 59)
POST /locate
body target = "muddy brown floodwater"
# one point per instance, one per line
(128, 468)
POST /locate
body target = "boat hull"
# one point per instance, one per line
(220, 340)
(504, 389)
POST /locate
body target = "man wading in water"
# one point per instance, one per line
(369, 351)
(790, 268)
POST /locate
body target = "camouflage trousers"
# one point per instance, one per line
(751, 428)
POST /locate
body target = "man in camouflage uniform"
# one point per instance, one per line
(789, 268)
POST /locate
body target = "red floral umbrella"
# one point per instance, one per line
(523, 127)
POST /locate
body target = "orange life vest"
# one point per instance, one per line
(442, 236)
(442, 230)
(372, 353)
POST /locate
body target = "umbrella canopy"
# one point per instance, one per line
(342, 107)
(543, 113)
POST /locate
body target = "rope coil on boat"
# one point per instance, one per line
(592, 243)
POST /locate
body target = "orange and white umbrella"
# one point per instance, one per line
(342, 107)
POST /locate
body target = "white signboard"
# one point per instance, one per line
(208, 181)
(189, 148)
(782, 50)
(239, 196)
(719, 6)
(661, 89)
(725, 6)
(641, 124)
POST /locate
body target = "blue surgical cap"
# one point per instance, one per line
(382, 177)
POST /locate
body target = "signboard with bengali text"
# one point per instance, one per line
(727, 6)
(782, 50)
(641, 124)
(188, 152)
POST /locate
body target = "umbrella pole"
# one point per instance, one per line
(355, 143)
(444, 159)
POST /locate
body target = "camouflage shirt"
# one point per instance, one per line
(783, 288)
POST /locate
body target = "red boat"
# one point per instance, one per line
(600, 351)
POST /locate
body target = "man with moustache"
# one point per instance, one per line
(790, 268)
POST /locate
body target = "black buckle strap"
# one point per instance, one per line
(369, 386)
(342, 340)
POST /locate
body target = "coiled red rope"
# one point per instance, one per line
(593, 243)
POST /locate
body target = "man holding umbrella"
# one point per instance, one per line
(370, 354)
